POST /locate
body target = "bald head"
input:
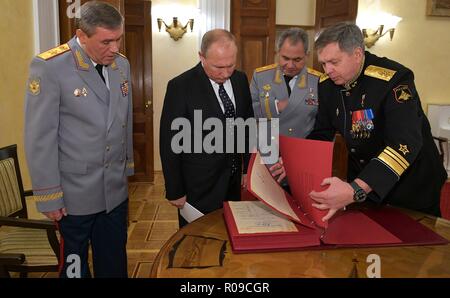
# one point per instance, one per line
(217, 36)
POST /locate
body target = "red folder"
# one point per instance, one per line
(368, 227)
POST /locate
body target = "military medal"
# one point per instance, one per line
(362, 124)
(310, 99)
(124, 88)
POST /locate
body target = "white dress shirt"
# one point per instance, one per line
(228, 88)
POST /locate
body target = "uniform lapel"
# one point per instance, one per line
(87, 71)
(115, 92)
(298, 94)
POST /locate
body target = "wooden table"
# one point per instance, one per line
(202, 249)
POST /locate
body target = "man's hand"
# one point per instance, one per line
(338, 195)
(179, 203)
(278, 170)
(282, 104)
(56, 214)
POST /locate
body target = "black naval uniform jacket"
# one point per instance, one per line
(394, 152)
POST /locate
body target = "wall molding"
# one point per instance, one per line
(46, 25)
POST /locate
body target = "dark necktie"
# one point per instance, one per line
(229, 113)
(287, 79)
(227, 103)
(99, 68)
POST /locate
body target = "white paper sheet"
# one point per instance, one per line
(190, 213)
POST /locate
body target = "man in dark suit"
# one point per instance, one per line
(214, 88)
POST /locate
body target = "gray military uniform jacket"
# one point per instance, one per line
(268, 85)
(78, 134)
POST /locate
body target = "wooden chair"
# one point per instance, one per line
(26, 245)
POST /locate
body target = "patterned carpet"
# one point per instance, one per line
(152, 221)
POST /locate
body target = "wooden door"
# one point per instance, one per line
(138, 44)
(67, 25)
(330, 12)
(253, 24)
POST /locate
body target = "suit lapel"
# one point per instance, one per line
(115, 92)
(211, 99)
(237, 95)
(87, 71)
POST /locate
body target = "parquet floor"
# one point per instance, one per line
(152, 220)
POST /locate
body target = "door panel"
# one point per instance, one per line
(253, 24)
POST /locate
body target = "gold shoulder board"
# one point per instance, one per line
(267, 67)
(54, 52)
(323, 78)
(122, 55)
(379, 72)
(315, 72)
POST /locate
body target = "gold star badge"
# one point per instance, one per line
(403, 149)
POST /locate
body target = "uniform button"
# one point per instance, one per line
(362, 161)
(123, 125)
(291, 130)
(123, 142)
(353, 150)
(108, 148)
(107, 165)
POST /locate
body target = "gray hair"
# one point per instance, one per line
(295, 35)
(216, 35)
(95, 14)
(347, 35)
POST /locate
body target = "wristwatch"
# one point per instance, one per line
(359, 195)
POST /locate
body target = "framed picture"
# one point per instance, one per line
(440, 8)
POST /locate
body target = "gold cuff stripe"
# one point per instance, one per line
(49, 197)
(267, 105)
(400, 158)
(396, 160)
(391, 163)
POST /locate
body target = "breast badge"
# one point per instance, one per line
(80, 92)
(34, 86)
(362, 124)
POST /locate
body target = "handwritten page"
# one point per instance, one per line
(265, 187)
(255, 217)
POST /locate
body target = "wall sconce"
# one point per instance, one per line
(175, 30)
(371, 36)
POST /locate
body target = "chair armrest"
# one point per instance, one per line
(12, 259)
(27, 223)
(28, 193)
